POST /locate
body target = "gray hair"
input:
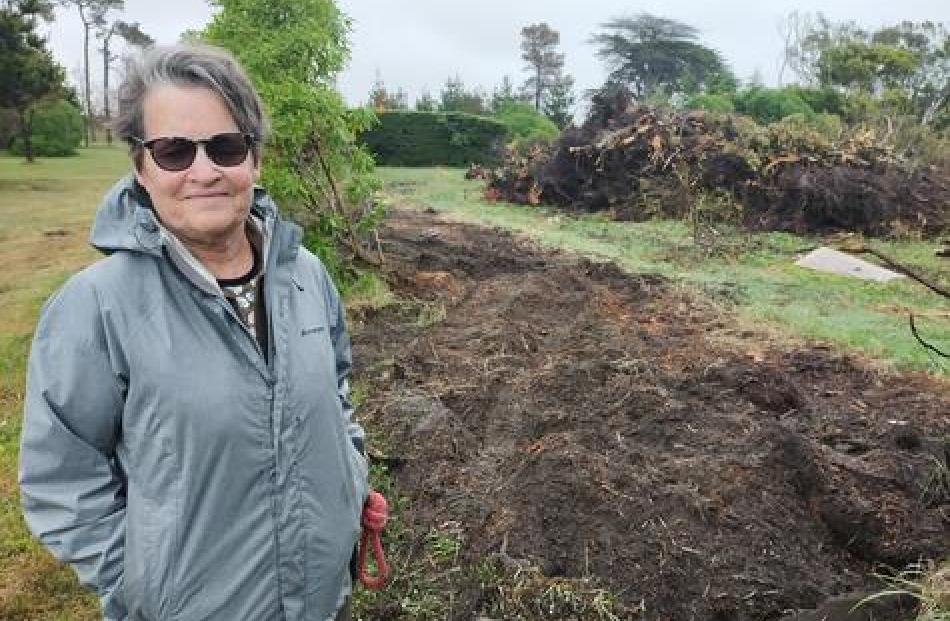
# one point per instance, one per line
(192, 66)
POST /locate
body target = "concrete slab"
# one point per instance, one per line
(834, 262)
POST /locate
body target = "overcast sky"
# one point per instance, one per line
(417, 44)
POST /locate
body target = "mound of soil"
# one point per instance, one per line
(564, 414)
(644, 163)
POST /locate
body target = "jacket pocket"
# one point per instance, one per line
(151, 536)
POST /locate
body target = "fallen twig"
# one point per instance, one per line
(920, 340)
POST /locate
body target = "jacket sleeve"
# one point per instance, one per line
(72, 488)
(344, 364)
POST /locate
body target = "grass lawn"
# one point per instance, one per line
(755, 273)
(45, 212)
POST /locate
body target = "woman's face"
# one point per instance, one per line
(206, 204)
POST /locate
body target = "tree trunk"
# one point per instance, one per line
(105, 83)
(90, 130)
(26, 134)
(537, 89)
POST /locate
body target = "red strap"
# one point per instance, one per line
(375, 514)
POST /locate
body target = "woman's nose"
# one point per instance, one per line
(203, 167)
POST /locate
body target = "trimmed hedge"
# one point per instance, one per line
(526, 123)
(435, 139)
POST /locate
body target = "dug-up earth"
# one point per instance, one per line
(601, 445)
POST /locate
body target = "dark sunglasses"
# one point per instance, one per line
(175, 154)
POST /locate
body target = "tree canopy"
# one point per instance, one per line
(28, 73)
(292, 50)
(653, 55)
(539, 45)
(904, 67)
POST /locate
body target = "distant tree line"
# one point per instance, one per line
(542, 104)
(39, 113)
(901, 70)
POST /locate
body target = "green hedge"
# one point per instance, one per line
(435, 139)
(526, 123)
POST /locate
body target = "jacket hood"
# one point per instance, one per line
(126, 221)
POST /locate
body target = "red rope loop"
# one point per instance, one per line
(375, 514)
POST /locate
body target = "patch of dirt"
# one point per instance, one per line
(567, 415)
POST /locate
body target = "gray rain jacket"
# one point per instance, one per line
(183, 474)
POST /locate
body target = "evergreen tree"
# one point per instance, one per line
(539, 43)
(92, 14)
(456, 98)
(133, 35)
(28, 74)
(657, 56)
(426, 102)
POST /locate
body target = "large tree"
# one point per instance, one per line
(866, 66)
(133, 35)
(908, 62)
(293, 50)
(92, 14)
(539, 45)
(28, 73)
(653, 54)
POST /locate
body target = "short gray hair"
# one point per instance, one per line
(193, 66)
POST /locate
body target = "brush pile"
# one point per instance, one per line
(795, 175)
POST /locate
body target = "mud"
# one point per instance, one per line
(563, 414)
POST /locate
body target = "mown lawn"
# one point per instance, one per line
(45, 212)
(755, 273)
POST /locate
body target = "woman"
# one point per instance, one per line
(188, 445)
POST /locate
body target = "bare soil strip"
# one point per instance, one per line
(566, 415)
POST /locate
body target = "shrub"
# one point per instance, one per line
(821, 100)
(435, 138)
(713, 103)
(807, 134)
(767, 105)
(57, 130)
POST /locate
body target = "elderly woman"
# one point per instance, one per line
(187, 443)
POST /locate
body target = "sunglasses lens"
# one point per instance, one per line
(227, 149)
(177, 154)
(173, 154)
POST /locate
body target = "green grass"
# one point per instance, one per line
(755, 272)
(45, 212)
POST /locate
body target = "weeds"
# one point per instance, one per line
(935, 489)
(429, 314)
(445, 543)
(925, 582)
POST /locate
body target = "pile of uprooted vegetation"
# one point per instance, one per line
(795, 175)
